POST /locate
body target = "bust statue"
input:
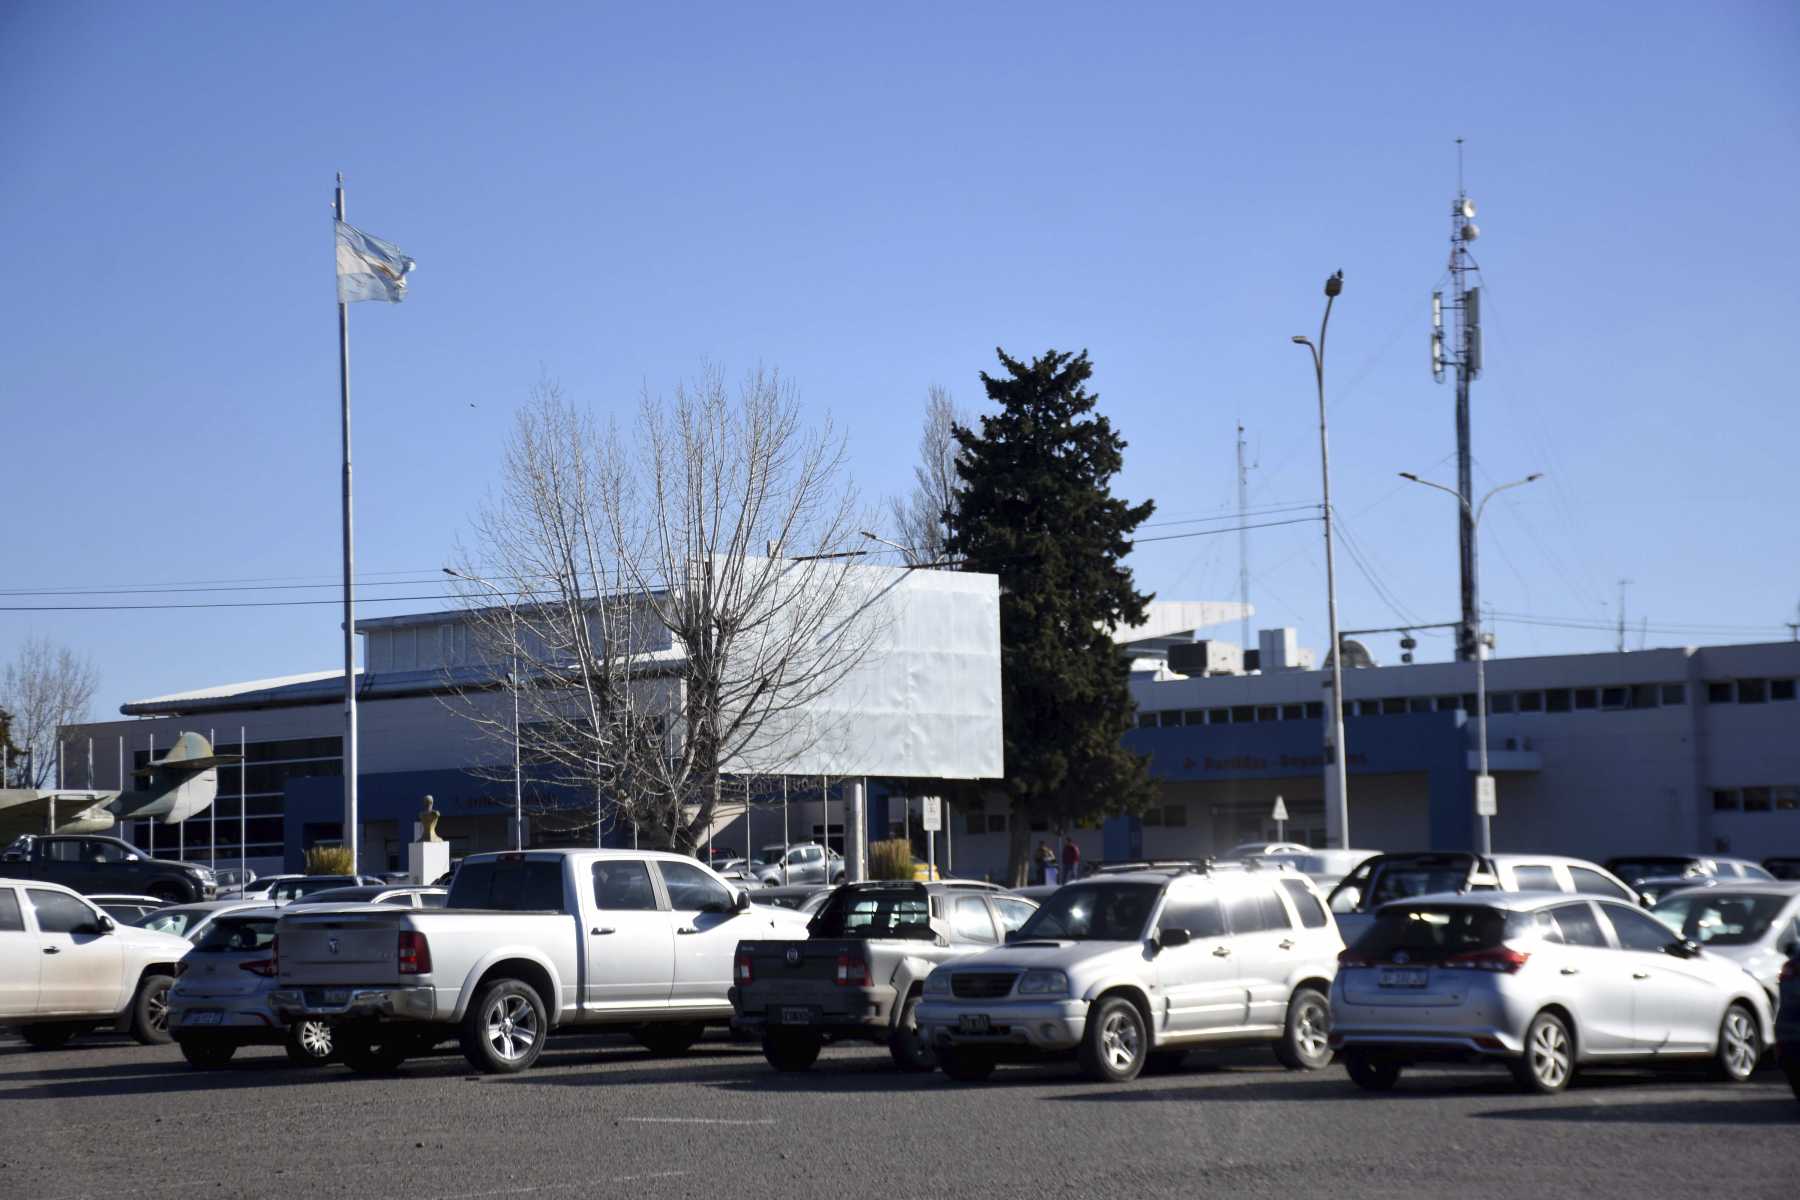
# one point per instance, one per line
(428, 819)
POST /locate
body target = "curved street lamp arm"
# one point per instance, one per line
(1492, 492)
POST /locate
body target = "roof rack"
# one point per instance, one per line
(1197, 866)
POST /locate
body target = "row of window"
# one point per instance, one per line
(1749, 691)
(1554, 700)
(1780, 798)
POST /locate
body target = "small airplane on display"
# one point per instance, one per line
(181, 784)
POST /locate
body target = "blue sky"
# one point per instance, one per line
(614, 195)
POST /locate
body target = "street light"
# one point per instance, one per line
(1337, 791)
(512, 614)
(1480, 641)
(876, 537)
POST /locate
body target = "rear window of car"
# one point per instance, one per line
(237, 935)
(1592, 883)
(510, 885)
(1432, 933)
(171, 920)
(1401, 878)
(901, 913)
(1306, 903)
(1632, 869)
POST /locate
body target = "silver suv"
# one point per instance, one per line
(1135, 968)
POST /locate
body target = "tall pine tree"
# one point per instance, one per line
(1035, 507)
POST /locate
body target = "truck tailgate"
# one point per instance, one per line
(358, 948)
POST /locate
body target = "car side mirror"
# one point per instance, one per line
(741, 902)
(1682, 948)
(131, 858)
(1010, 936)
(1168, 939)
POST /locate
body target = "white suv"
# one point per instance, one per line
(1136, 968)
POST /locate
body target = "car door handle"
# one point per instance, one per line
(1221, 951)
(602, 932)
(1286, 943)
(1571, 970)
(1640, 974)
(52, 949)
(687, 929)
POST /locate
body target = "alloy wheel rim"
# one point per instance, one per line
(158, 1009)
(315, 1038)
(1741, 1048)
(1120, 1041)
(1550, 1054)
(512, 1027)
(1311, 1033)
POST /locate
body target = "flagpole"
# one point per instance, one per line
(350, 829)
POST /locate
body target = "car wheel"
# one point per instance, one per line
(669, 1038)
(965, 1066)
(1740, 1045)
(207, 1054)
(1116, 1043)
(47, 1037)
(503, 1032)
(1549, 1061)
(309, 1043)
(791, 1051)
(1305, 1044)
(907, 1043)
(371, 1051)
(150, 1011)
(1372, 1072)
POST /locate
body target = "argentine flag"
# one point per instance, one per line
(369, 268)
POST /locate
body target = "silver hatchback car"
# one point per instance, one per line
(1543, 982)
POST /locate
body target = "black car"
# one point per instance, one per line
(92, 865)
(1787, 1024)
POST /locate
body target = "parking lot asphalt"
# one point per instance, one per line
(598, 1116)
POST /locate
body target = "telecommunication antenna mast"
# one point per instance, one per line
(1461, 353)
(1243, 499)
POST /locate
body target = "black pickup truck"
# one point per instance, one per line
(95, 865)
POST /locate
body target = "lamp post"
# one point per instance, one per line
(1484, 781)
(512, 614)
(906, 551)
(1337, 792)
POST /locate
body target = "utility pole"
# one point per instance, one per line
(1623, 584)
(1464, 355)
(1243, 506)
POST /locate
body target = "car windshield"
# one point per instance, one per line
(172, 920)
(1715, 918)
(1402, 878)
(1099, 912)
(903, 912)
(1650, 867)
(1432, 933)
(237, 935)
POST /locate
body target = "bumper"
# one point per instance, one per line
(225, 1018)
(391, 1003)
(1038, 1026)
(851, 1012)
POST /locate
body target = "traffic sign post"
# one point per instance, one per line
(1280, 817)
(1486, 802)
(933, 821)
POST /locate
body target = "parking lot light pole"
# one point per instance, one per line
(512, 614)
(1337, 792)
(1482, 642)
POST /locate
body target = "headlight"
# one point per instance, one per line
(937, 983)
(1043, 983)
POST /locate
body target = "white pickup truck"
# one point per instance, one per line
(527, 943)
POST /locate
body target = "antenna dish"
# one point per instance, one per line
(1470, 231)
(1467, 207)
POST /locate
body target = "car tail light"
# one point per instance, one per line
(415, 953)
(1502, 959)
(852, 970)
(741, 969)
(1355, 958)
(262, 966)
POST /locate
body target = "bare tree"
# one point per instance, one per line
(45, 687)
(679, 596)
(922, 519)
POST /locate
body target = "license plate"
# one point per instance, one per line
(336, 996)
(211, 1016)
(796, 1016)
(1404, 977)
(972, 1023)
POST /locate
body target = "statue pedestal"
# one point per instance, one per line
(425, 861)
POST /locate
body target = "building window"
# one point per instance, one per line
(1449, 703)
(975, 823)
(1194, 716)
(1643, 695)
(1531, 702)
(1586, 698)
(1556, 700)
(1243, 714)
(1781, 689)
(1393, 706)
(1170, 719)
(1147, 720)
(1418, 704)
(1500, 702)
(1293, 712)
(1787, 799)
(1674, 693)
(1752, 691)
(1218, 716)
(1725, 800)
(1315, 710)
(1613, 697)
(1718, 692)
(1266, 713)
(996, 822)
(1757, 799)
